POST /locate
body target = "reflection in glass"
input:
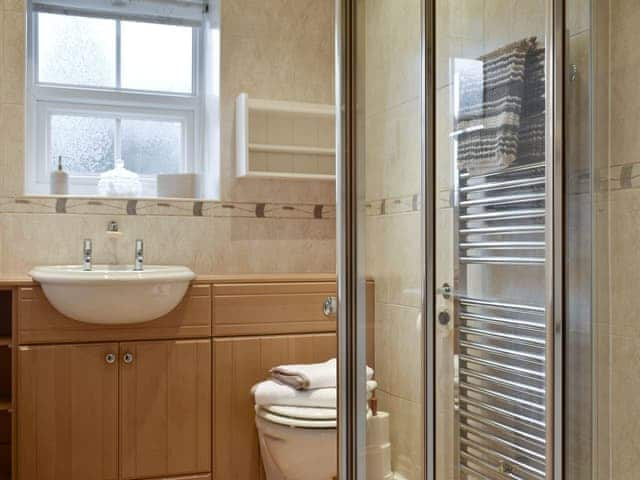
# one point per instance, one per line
(76, 50)
(85, 143)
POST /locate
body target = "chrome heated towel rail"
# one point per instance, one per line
(500, 345)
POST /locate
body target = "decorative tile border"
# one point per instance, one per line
(179, 208)
(621, 177)
(393, 205)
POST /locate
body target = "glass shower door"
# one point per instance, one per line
(495, 213)
(381, 258)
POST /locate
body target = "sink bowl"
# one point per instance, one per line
(113, 294)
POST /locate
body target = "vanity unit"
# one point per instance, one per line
(165, 399)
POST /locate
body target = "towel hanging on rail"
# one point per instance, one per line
(500, 115)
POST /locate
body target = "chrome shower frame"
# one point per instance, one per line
(351, 337)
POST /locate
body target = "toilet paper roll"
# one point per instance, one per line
(378, 429)
(378, 462)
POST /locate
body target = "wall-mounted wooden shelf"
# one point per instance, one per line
(289, 119)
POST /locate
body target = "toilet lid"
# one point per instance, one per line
(312, 420)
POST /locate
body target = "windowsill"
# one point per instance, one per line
(107, 198)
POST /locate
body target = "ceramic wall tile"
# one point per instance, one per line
(280, 50)
(625, 97)
(397, 350)
(625, 416)
(406, 434)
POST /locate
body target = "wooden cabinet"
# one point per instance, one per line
(165, 408)
(240, 363)
(68, 407)
(39, 322)
(171, 403)
(74, 399)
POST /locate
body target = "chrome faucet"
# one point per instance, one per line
(139, 258)
(86, 263)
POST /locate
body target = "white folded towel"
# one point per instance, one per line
(310, 376)
(271, 392)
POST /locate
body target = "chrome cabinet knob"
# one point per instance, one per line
(110, 358)
(330, 306)
(127, 358)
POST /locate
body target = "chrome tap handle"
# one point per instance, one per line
(86, 254)
(139, 256)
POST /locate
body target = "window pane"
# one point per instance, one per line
(76, 50)
(85, 143)
(157, 57)
(151, 147)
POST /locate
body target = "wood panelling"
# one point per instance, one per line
(165, 408)
(271, 308)
(67, 407)
(39, 322)
(200, 476)
(240, 363)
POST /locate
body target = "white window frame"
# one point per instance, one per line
(43, 99)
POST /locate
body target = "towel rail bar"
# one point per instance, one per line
(472, 453)
(506, 230)
(504, 260)
(513, 461)
(507, 322)
(504, 200)
(499, 440)
(525, 340)
(471, 301)
(505, 215)
(532, 375)
(505, 383)
(506, 171)
(530, 422)
(515, 401)
(520, 434)
(475, 474)
(475, 461)
(527, 357)
(503, 245)
(504, 185)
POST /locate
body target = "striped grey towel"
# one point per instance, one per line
(500, 117)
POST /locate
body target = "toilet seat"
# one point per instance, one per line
(298, 417)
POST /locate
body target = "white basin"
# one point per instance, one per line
(113, 294)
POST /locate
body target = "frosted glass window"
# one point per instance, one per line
(151, 146)
(76, 50)
(157, 57)
(85, 143)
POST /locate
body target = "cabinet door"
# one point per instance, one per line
(240, 363)
(67, 412)
(165, 408)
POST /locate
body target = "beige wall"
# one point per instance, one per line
(619, 334)
(278, 49)
(390, 132)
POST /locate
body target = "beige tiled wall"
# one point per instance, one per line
(390, 38)
(617, 348)
(280, 49)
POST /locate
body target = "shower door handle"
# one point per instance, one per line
(330, 306)
(445, 290)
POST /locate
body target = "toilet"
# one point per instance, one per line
(298, 443)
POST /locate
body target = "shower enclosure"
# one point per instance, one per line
(451, 199)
